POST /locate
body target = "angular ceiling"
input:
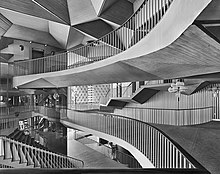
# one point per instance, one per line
(63, 24)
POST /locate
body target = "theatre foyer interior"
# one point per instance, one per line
(110, 86)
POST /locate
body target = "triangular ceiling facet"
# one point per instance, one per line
(23, 33)
(97, 28)
(107, 4)
(119, 12)
(75, 38)
(25, 20)
(5, 57)
(60, 32)
(58, 8)
(5, 24)
(81, 11)
(4, 42)
(97, 4)
(30, 8)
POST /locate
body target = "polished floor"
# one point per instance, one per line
(201, 141)
(91, 158)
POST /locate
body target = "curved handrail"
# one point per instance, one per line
(156, 133)
(120, 39)
(172, 109)
(195, 163)
(157, 145)
(132, 162)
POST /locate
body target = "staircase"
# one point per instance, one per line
(18, 135)
(21, 151)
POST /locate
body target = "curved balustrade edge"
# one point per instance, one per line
(128, 34)
(185, 154)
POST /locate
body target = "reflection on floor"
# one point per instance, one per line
(92, 158)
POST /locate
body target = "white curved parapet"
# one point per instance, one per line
(176, 20)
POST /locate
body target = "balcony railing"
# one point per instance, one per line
(6, 111)
(115, 42)
(8, 123)
(154, 144)
(177, 117)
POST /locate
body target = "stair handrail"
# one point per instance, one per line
(45, 151)
(132, 30)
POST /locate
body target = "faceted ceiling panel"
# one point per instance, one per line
(5, 57)
(97, 28)
(65, 24)
(58, 8)
(107, 4)
(113, 25)
(60, 32)
(5, 24)
(215, 30)
(23, 33)
(211, 12)
(75, 38)
(97, 4)
(118, 12)
(30, 8)
(81, 11)
(4, 42)
(25, 20)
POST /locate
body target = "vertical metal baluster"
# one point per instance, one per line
(117, 41)
(164, 6)
(113, 43)
(125, 36)
(155, 12)
(104, 47)
(128, 30)
(138, 25)
(148, 17)
(152, 14)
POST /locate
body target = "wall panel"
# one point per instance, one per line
(163, 108)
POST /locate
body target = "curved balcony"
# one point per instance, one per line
(125, 54)
(115, 42)
(155, 145)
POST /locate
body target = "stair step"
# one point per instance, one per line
(22, 139)
(25, 139)
(32, 142)
(13, 134)
(18, 136)
(29, 140)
